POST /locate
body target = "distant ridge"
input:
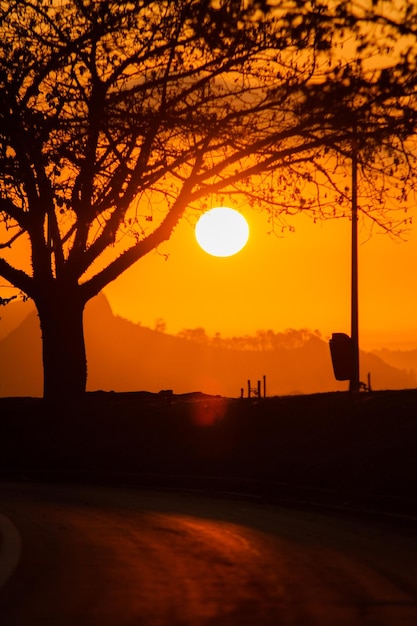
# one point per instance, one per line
(123, 356)
(401, 359)
(13, 314)
(21, 359)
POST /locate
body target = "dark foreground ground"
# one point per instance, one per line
(327, 447)
(92, 555)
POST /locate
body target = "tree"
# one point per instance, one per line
(116, 117)
(4, 301)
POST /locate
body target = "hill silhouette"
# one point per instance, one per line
(13, 314)
(123, 356)
(401, 359)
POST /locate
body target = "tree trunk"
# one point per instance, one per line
(63, 347)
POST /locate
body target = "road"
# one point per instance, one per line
(87, 556)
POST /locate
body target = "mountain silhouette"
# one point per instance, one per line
(401, 359)
(21, 353)
(13, 314)
(123, 356)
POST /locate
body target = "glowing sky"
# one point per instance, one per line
(297, 280)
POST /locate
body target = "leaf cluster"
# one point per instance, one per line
(117, 117)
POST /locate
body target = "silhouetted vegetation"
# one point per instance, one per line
(4, 301)
(116, 117)
(124, 356)
(358, 450)
(263, 340)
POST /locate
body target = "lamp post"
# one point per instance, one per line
(355, 377)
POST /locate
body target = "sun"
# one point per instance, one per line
(222, 231)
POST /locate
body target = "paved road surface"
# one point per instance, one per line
(94, 556)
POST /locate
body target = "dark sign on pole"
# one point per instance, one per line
(341, 350)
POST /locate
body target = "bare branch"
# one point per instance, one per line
(8, 244)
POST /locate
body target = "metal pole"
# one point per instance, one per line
(355, 380)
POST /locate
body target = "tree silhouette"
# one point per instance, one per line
(116, 117)
(4, 301)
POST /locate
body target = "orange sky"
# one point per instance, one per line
(297, 280)
(301, 280)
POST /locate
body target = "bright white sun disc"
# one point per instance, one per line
(222, 231)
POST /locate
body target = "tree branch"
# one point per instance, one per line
(16, 277)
